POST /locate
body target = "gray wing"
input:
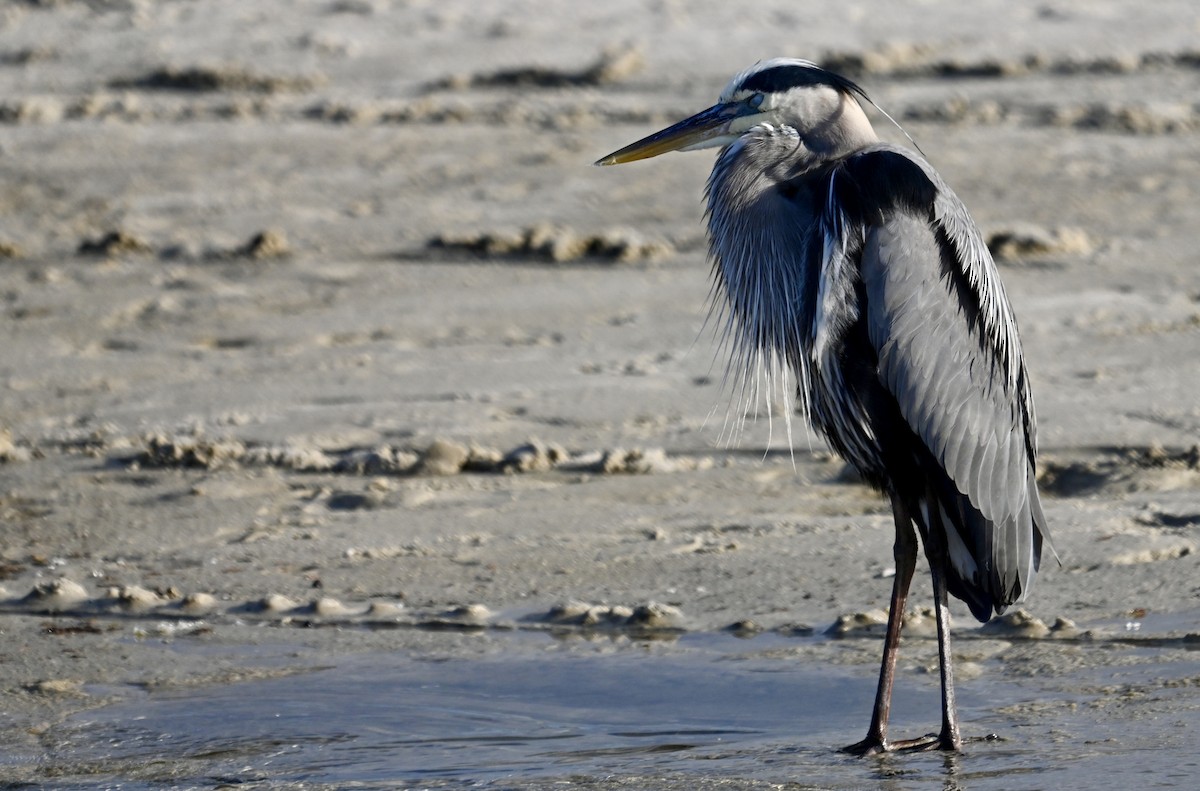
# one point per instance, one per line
(948, 352)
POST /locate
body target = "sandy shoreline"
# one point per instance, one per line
(328, 305)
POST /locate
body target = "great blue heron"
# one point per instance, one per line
(850, 262)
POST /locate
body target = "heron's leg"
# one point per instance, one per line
(949, 738)
(906, 563)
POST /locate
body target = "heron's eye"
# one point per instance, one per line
(756, 100)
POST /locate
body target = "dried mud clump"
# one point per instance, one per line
(1117, 118)
(203, 79)
(903, 60)
(1152, 468)
(746, 627)
(859, 623)
(1158, 457)
(164, 451)
(57, 687)
(960, 110)
(10, 451)
(648, 617)
(378, 461)
(288, 457)
(356, 501)
(271, 603)
(1016, 625)
(554, 244)
(613, 65)
(262, 246)
(265, 244)
(198, 603)
(533, 456)
(168, 451)
(920, 622)
(56, 595)
(1124, 118)
(655, 616)
(326, 607)
(134, 598)
(887, 60)
(27, 55)
(443, 457)
(645, 461)
(1066, 479)
(1025, 241)
(10, 250)
(31, 110)
(464, 615)
(114, 243)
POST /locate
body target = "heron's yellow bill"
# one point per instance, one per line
(704, 129)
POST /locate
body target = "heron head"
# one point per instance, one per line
(799, 94)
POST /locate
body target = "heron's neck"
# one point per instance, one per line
(828, 128)
(765, 242)
(843, 132)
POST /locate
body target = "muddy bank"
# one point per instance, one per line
(322, 336)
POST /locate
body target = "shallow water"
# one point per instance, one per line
(705, 710)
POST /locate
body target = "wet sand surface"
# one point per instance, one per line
(316, 315)
(698, 711)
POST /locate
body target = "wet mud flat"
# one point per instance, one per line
(594, 710)
(331, 368)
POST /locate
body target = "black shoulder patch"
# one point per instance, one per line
(876, 182)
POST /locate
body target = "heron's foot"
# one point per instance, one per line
(873, 745)
(929, 742)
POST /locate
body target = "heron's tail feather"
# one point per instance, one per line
(988, 564)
